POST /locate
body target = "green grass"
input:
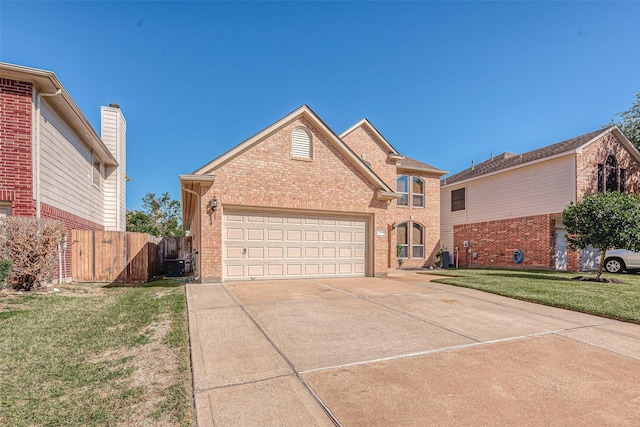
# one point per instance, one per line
(83, 358)
(613, 300)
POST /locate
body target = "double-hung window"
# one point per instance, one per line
(402, 187)
(417, 190)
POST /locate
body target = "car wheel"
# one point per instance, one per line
(614, 265)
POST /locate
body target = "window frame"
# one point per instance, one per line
(417, 225)
(414, 180)
(462, 201)
(405, 194)
(6, 206)
(97, 173)
(405, 246)
(611, 182)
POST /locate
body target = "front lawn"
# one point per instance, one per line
(92, 355)
(614, 300)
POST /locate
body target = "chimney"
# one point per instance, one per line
(472, 164)
(114, 135)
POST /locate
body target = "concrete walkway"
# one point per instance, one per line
(403, 351)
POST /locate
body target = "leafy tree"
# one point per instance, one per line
(159, 216)
(604, 221)
(629, 122)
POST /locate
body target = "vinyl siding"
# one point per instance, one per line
(66, 169)
(543, 188)
(113, 135)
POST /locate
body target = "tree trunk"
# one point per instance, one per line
(603, 252)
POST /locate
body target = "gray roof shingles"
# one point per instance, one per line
(508, 160)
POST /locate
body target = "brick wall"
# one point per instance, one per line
(496, 241)
(361, 141)
(597, 153)
(16, 178)
(267, 176)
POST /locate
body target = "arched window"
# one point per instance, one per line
(403, 240)
(418, 192)
(402, 186)
(417, 241)
(611, 174)
(300, 144)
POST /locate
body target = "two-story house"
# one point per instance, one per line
(53, 164)
(297, 200)
(507, 211)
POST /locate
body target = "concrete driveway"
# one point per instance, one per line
(403, 351)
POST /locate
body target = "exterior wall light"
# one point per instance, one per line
(214, 204)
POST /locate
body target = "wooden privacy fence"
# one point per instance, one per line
(123, 257)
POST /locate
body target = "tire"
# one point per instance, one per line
(614, 265)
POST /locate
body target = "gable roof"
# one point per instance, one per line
(47, 83)
(365, 123)
(403, 162)
(507, 161)
(307, 113)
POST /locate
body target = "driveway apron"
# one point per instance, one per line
(403, 351)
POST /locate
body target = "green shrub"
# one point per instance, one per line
(5, 270)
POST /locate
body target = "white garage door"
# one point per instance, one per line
(259, 245)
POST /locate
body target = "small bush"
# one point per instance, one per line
(5, 270)
(30, 244)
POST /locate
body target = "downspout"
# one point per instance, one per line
(37, 147)
(199, 254)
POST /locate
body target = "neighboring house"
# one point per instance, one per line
(53, 164)
(297, 200)
(509, 208)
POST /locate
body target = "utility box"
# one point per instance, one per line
(445, 259)
(174, 267)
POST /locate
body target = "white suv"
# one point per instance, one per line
(619, 260)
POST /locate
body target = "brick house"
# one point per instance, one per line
(297, 200)
(511, 204)
(52, 162)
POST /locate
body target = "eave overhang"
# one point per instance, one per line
(46, 82)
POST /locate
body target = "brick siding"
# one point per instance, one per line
(266, 176)
(495, 242)
(16, 177)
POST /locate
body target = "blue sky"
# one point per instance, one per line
(444, 82)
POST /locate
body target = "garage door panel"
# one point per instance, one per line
(275, 270)
(255, 234)
(294, 253)
(275, 235)
(328, 236)
(294, 235)
(275, 253)
(235, 271)
(234, 253)
(255, 270)
(278, 245)
(255, 253)
(328, 252)
(311, 236)
(235, 234)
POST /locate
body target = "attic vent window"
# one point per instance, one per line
(300, 144)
